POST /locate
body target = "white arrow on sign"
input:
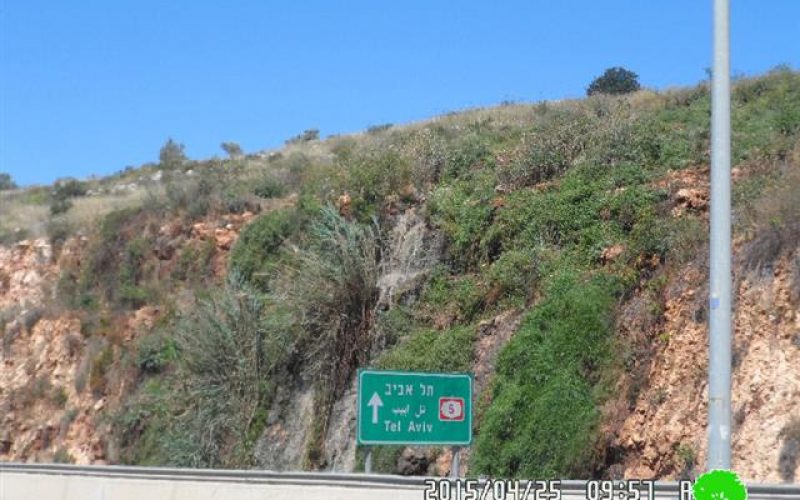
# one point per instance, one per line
(375, 402)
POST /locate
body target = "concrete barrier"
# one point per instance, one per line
(21, 486)
(69, 482)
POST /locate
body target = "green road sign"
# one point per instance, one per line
(414, 408)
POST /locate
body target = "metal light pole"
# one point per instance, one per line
(720, 306)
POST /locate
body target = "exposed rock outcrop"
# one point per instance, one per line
(666, 428)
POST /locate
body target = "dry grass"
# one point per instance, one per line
(24, 214)
(777, 216)
(19, 220)
(88, 209)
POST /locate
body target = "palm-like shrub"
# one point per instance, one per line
(331, 288)
(229, 348)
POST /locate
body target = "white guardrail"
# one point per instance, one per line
(73, 482)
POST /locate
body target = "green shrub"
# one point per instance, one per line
(471, 153)
(235, 202)
(428, 149)
(129, 292)
(513, 274)
(464, 212)
(62, 456)
(621, 136)
(433, 351)
(60, 206)
(99, 368)
(292, 171)
(376, 129)
(40, 386)
(256, 251)
(58, 230)
(765, 116)
(69, 188)
(116, 268)
(193, 262)
(391, 326)
(585, 213)
(686, 238)
(326, 289)
(106, 263)
(543, 412)
(66, 420)
(145, 421)
(461, 295)
(195, 195)
(60, 397)
(153, 353)
(370, 177)
(307, 135)
(685, 457)
(547, 152)
(269, 187)
(12, 235)
(64, 190)
(787, 120)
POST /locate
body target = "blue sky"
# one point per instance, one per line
(90, 87)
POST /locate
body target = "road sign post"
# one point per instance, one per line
(368, 461)
(414, 408)
(456, 463)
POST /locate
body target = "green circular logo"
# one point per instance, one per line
(719, 485)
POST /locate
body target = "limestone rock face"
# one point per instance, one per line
(666, 426)
(47, 408)
(283, 443)
(24, 268)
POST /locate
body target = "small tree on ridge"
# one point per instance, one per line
(6, 182)
(232, 149)
(171, 155)
(616, 80)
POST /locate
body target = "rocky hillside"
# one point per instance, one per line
(213, 313)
